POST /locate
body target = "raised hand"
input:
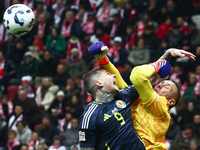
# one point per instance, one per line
(181, 53)
(98, 49)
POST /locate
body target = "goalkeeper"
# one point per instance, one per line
(150, 112)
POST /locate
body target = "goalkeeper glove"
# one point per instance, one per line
(163, 68)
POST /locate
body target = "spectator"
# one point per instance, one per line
(139, 55)
(65, 123)
(48, 66)
(100, 35)
(75, 107)
(196, 122)
(193, 64)
(3, 133)
(40, 55)
(28, 3)
(74, 42)
(57, 144)
(47, 131)
(88, 26)
(105, 13)
(75, 65)
(59, 12)
(23, 132)
(71, 89)
(171, 10)
(45, 93)
(173, 130)
(116, 26)
(187, 114)
(26, 82)
(40, 30)
(40, 9)
(164, 28)
(141, 24)
(153, 10)
(182, 141)
(29, 106)
(41, 147)
(129, 14)
(61, 76)
(18, 115)
(8, 46)
(129, 38)
(6, 108)
(71, 136)
(183, 28)
(175, 75)
(13, 142)
(56, 43)
(57, 108)
(194, 34)
(151, 39)
(194, 144)
(35, 141)
(24, 147)
(117, 54)
(82, 14)
(174, 37)
(69, 25)
(27, 67)
(17, 53)
(4, 32)
(189, 90)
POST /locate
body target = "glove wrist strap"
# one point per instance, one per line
(103, 61)
(156, 66)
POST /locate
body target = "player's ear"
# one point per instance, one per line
(99, 83)
(171, 102)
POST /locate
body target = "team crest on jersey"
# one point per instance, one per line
(81, 136)
(120, 104)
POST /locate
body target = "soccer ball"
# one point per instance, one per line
(18, 19)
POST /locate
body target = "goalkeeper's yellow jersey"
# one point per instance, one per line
(150, 114)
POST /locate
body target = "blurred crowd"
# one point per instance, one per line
(41, 73)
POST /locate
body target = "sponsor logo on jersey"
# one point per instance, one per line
(82, 136)
(120, 104)
(106, 117)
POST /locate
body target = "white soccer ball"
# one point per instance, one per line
(19, 19)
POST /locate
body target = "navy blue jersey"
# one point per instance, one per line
(109, 125)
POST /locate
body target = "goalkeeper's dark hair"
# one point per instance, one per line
(177, 95)
(90, 78)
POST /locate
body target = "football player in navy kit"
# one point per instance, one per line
(106, 122)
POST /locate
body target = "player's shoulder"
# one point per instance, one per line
(90, 115)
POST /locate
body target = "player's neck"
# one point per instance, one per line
(103, 96)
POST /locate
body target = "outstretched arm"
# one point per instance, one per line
(172, 52)
(121, 84)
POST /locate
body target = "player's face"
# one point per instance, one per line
(165, 88)
(109, 82)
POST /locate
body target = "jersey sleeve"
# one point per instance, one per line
(154, 104)
(121, 84)
(88, 129)
(140, 78)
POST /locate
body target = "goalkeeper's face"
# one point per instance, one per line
(167, 89)
(108, 82)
